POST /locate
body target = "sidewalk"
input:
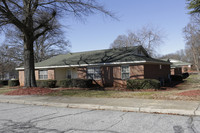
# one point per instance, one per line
(120, 104)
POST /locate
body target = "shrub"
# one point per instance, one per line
(185, 75)
(65, 83)
(176, 77)
(81, 83)
(46, 83)
(143, 84)
(3, 82)
(13, 82)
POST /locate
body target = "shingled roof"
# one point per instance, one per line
(126, 55)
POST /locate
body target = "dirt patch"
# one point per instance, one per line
(30, 91)
(190, 93)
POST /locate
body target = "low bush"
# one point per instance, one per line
(3, 82)
(185, 75)
(81, 83)
(143, 84)
(65, 83)
(176, 78)
(46, 83)
(13, 83)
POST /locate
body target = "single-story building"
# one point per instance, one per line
(179, 67)
(109, 67)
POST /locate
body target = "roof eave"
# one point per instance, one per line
(99, 64)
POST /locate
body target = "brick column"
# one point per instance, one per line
(51, 74)
(21, 78)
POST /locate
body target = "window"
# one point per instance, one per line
(43, 74)
(125, 72)
(69, 74)
(160, 66)
(94, 73)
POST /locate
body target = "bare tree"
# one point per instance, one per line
(120, 41)
(150, 38)
(7, 65)
(46, 46)
(34, 18)
(192, 37)
(181, 55)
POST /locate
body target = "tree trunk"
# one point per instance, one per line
(29, 66)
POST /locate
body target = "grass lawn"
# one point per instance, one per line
(5, 89)
(103, 94)
(171, 93)
(191, 83)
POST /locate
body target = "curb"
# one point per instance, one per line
(103, 107)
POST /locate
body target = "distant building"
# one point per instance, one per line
(9, 75)
(179, 67)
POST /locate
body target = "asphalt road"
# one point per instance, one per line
(15, 118)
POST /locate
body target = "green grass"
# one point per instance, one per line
(5, 89)
(101, 94)
(83, 93)
(192, 82)
(193, 79)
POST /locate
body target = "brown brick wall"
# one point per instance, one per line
(82, 73)
(153, 71)
(111, 75)
(51, 74)
(36, 74)
(117, 81)
(175, 71)
(21, 78)
(172, 71)
(137, 72)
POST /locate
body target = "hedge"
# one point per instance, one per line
(81, 83)
(143, 84)
(3, 82)
(176, 77)
(46, 83)
(65, 83)
(13, 82)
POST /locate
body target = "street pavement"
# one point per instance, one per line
(18, 118)
(117, 104)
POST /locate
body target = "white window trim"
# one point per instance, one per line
(93, 68)
(128, 70)
(42, 75)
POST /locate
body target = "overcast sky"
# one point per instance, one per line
(98, 31)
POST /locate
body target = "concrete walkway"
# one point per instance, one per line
(120, 104)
